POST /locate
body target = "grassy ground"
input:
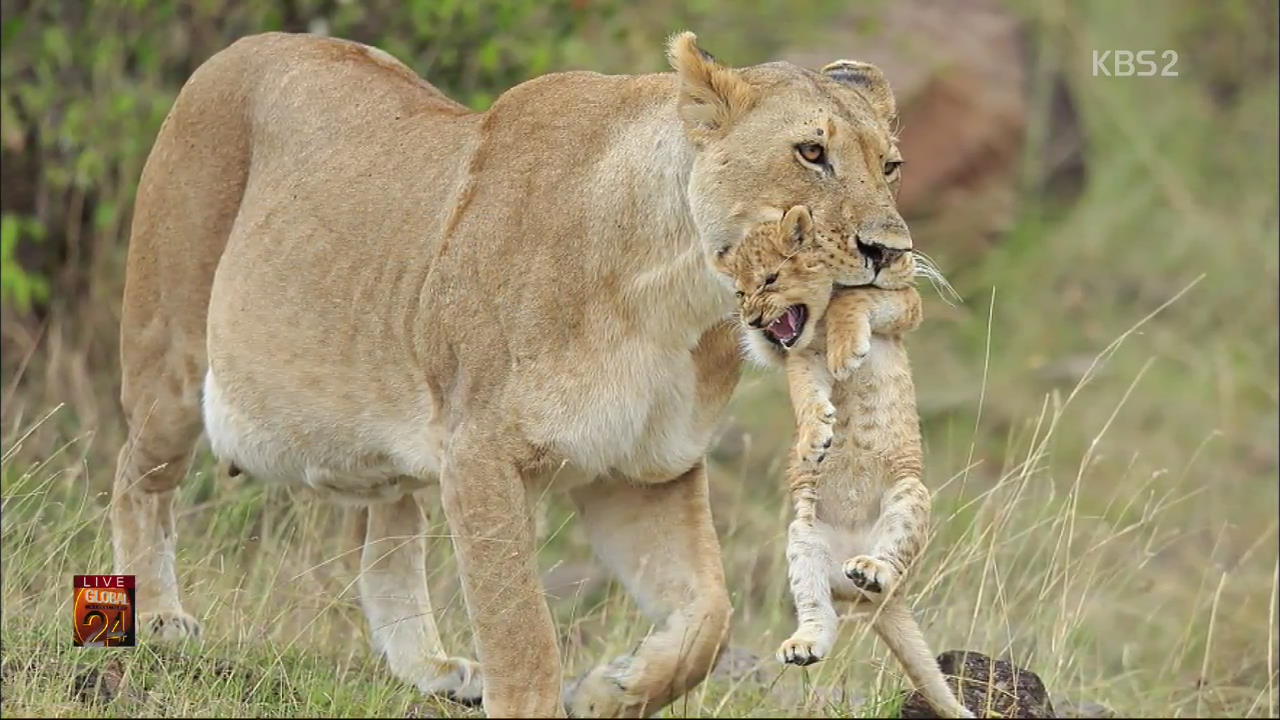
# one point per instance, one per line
(1100, 417)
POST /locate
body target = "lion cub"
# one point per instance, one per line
(855, 470)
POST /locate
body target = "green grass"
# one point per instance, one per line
(1100, 419)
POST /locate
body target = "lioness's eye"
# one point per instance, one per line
(738, 294)
(812, 152)
(891, 167)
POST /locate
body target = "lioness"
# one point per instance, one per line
(847, 370)
(312, 266)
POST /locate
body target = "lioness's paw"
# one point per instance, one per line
(169, 626)
(803, 649)
(872, 576)
(846, 352)
(815, 434)
(609, 690)
(457, 679)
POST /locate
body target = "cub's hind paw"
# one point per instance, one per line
(871, 576)
(802, 650)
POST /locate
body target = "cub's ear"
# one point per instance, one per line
(711, 95)
(868, 80)
(795, 229)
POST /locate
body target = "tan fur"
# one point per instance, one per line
(365, 288)
(855, 470)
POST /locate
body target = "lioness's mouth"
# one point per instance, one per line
(787, 328)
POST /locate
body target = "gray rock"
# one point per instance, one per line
(988, 687)
(736, 663)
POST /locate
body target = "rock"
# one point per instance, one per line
(573, 580)
(736, 664)
(988, 687)
(99, 687)
(959, 71)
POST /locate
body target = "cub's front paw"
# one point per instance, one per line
(816, 431)
(846, 351)
(871, 576)
(803, 649)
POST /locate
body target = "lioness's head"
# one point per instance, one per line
(769, 137)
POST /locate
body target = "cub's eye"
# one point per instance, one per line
(771, 279)
(812, 153)
(892, 167)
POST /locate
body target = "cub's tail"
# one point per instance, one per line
(895, 625)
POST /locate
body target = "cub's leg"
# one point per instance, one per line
(856, 313)
(483, 489)
(808, 566)
(899, 535)
(660, 542)
(810, 387)
(393, 591)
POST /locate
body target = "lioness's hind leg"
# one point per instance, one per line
(393, 592)
(188, 198)
(163, 429)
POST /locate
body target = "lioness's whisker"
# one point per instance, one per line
(926, 267)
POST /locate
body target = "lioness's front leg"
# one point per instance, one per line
(660, 542)
(856, 313)
(393, 592)
(484, 501)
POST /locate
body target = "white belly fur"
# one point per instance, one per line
(382, 464)
(639, 424)
(633, 415)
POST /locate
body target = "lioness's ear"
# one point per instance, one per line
(868, 80)
(711, 95)
(796, 228)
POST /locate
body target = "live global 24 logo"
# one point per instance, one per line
(103, 611)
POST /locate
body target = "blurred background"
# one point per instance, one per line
(1099, 404)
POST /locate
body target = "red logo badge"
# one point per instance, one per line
(103, 611)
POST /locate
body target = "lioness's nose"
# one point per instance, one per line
(879, 255)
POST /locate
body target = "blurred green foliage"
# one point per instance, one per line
(19, 287)
(84, 87)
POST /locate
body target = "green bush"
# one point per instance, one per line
(86, 86)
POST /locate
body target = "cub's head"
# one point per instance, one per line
(772, 136)
(781, 283)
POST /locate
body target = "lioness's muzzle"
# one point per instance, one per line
(879, 255)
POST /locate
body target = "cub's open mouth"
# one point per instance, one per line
(787, 328)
